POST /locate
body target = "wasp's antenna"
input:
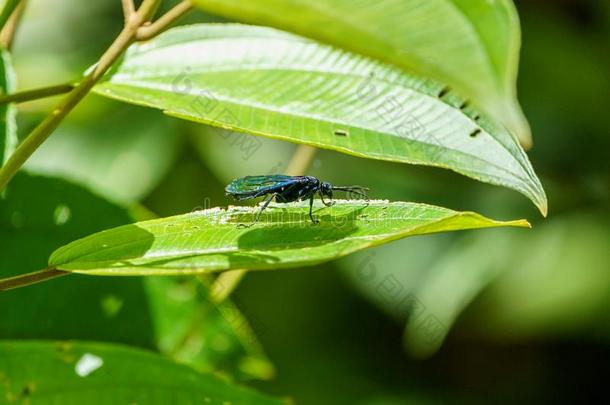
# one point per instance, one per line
(350, 188)
(358, 190)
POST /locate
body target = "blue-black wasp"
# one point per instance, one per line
(286, 189)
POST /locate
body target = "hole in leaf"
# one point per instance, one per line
(443, 91)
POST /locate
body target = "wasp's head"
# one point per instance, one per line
(326, 189)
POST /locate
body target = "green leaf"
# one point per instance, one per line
(149, 313)
(213, 240)
(42, 372)
(265, 82)
(471, 45)
(208, 337)
(37, 215)
(8, 112)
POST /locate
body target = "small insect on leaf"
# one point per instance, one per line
(341, 132)
(286, 189)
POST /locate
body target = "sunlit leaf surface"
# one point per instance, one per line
(471, 45)
(216, 240)
(265, 82)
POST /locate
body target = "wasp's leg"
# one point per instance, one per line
(265, 205)
(315, 221)
(258, 214)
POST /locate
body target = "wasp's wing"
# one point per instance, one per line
(256, 186)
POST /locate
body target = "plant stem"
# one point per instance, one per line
(36, 94)
(226, 282)
(147, 32)
(7, 11)
(224, 285)
(7, 33)
(30, 278)
(128, 9)
(50, 123)
(301, 160)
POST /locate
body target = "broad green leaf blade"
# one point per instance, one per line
(213, 240)
(31, 228)
(152, 312)
(209, 337)
(265, 82)
(8, 112)
(44, 372)
(471, 45)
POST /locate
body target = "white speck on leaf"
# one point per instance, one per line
(87, 364)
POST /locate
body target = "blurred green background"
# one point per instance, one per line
(526, 312)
